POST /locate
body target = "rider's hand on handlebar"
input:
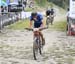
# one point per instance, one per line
(31, 27)
(41, 27)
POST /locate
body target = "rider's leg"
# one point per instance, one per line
(43, 39)
(52, 19)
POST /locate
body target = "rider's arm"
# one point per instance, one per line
(30, 22)
(41, 17)
(42, 25)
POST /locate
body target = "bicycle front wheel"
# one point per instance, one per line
(37, 47)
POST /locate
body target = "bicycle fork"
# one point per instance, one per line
(36, 46)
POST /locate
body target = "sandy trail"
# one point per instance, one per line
(16, 48)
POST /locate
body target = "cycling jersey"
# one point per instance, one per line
(48, 12)
(52, 12)
(38, 22)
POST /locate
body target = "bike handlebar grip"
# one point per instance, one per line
(29, 29)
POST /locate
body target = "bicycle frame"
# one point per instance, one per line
(37, 42)
(37, 45)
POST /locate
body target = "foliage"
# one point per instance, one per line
(19, 25)
(41, 2)
(60, 25)
(61, 3)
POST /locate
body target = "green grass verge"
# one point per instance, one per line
(60, 26)
(20, 25)
(28, 9)
(41, 3)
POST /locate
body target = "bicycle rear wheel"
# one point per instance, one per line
(40, 47)
(37, 46)
(52, 20)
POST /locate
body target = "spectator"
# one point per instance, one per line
(31, 4)
(5, 10)
(2, 10)
(67, 15)
(25, 2)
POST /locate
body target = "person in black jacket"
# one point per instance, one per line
(48, 12)
(2, 10)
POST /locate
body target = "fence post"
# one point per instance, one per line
(1, 24)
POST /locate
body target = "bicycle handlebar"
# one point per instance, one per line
(32, 29)
(29, 29)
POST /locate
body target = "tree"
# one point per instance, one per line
(61, 3)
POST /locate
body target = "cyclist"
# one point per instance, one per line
(68, 15)
(52, 14)
(48, 12)
(38, 23)
(52, 11)
(48, 17)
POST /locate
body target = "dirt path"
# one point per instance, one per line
(16, 48)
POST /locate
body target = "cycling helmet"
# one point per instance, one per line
(33, 14)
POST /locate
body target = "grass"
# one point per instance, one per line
(20, 25)
(41, 3)
(28, 9)
(60, 26)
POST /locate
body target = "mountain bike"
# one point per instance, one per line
(37, 41)
(49, 20)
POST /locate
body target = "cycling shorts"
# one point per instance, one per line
(37, 25)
